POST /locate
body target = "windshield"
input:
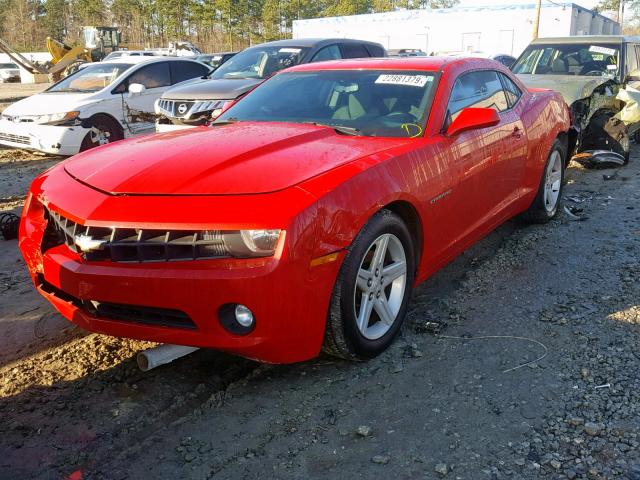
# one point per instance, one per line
(92, 78)
(8, 65)
(260, 62)
(357, 102)
(578, 59)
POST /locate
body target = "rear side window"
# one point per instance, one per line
(354, 50)
(375, 50)
(181, 71)
(481, 89)
(512, 91)
(331, 52)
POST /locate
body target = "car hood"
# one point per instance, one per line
(207, 89)
(571, 87)
(45, 103)
(242, 158)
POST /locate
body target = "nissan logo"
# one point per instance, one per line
(182, 108)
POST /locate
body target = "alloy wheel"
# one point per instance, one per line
(380, 286)
(553, 181)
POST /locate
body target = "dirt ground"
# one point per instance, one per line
(521, 359)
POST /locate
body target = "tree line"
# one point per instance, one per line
(212, 25)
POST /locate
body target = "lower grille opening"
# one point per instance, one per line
(161, 317)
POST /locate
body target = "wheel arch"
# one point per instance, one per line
(411, 218)
(86, 123)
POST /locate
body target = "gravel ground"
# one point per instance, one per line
(462, 394)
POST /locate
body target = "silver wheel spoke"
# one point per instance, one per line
(366, 306)
(364, 277)
(393, 271)
(383, 310)
(555, 177)
(381, 250)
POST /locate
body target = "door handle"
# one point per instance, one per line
(517, 133)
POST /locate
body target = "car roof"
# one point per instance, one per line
(589, 39)
(311, 42)
(136, 59)
(428, 64)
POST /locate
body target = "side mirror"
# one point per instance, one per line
(136, 89)
(473, 118)
(634, 75)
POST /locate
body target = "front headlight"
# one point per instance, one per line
(245, 243)
(51, 118)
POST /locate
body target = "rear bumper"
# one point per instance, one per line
(52, 139)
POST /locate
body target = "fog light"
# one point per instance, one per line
(244, 316)
(236, 318)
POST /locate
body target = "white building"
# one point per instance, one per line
(491, 28)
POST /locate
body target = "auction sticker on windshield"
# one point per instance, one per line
(409, 80)
(605, 50)
(289, 50)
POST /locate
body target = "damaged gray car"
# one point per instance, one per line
(595, 75)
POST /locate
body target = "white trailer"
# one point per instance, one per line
(493, 29)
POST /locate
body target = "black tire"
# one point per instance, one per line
(343, 338)
(539, 210)
(112, 132)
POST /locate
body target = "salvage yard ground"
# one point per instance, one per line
(451, 398)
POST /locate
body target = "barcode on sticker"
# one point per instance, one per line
(409, 80)
(604, 50)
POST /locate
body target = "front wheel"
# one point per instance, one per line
(545, 205)
(102, 130)
(374, 285)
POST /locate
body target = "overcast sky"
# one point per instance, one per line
(582, 3)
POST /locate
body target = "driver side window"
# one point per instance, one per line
(481, 89)
(331, 52)
(151, 76)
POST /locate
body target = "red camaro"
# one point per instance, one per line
(305, 215)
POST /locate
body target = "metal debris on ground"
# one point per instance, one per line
(9, 225)
(571, 211)
(429, 327)
(599, 159)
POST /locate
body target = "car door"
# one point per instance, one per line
(482, 155)
(137, 109)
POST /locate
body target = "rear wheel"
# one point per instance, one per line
(545, 205)
(374, 285)
(103, 130)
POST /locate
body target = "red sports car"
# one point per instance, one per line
(305, 215)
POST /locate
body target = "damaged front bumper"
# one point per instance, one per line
(53, 139)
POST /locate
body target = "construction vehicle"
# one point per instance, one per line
(98, 42)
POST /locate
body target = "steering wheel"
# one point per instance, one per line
(593, 73)
(399, 117)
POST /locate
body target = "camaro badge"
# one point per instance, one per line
(87, 243)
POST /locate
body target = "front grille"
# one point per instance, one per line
(10, 137)
(162, 317)
(133, 244)
(185, 109)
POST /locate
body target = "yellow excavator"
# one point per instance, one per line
(98, 42)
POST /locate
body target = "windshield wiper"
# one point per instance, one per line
(339, 128)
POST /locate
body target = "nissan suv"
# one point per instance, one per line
(202, 100)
